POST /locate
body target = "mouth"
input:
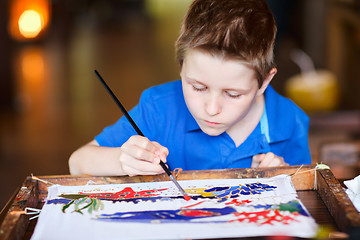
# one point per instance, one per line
(211, 124)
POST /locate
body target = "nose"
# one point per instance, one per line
(213, 105)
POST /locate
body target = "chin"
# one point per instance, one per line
(212, 132)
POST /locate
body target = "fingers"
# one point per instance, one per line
(138, 167)
(140, 156)
(256, 160)
(268, 160)
(161, 151)
(142, 148)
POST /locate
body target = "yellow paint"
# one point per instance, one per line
(200, 191)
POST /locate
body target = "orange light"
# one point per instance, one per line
(30, 23)
(28, 18)
(32, 65)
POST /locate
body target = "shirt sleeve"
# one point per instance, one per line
(143, 115)
(297, 150)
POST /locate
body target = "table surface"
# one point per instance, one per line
(327, 203)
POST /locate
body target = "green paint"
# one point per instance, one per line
(73, 196)
(292, 206)
(92, 204)
(77, 205)
(67, 205)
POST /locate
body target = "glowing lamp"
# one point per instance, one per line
(28, 18)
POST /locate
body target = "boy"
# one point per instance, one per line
(221, 114)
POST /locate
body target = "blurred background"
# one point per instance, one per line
(51, 102)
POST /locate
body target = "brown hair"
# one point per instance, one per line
(234, 29)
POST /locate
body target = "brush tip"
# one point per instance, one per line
(187, 198)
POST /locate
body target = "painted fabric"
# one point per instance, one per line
(218, 208)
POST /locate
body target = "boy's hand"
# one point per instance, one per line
(267, 160)
(140, 156)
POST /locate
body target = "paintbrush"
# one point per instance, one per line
(133, 124)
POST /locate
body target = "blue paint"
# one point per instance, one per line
(133, 200)
(164, 216)
(236, 191)
(216, 189)
(58, 201)
(222, 199)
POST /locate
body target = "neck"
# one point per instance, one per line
(242, 129)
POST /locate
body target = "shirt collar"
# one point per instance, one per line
(190, 123)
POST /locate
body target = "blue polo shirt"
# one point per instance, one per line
(163, 116)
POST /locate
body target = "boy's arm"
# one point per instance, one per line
(95, 160)
(137, 156)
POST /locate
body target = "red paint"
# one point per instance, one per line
(187, 198)
(237, 203)
(126, 193)
(193, 205)
(263, 217)
(197, 213)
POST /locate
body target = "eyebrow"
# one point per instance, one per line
(236, 90)
(193, 80)
(190, 79)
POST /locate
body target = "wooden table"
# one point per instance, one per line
(319, 190)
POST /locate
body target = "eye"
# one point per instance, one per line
(233, 94)
(199, 88)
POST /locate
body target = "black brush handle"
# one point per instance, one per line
(123, 110)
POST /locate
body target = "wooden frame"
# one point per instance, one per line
(15, 224)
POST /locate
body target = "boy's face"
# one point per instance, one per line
(219, 93)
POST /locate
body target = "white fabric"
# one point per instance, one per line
(353, 191)
(54, 224)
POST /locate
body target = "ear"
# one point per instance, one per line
(267, 81)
